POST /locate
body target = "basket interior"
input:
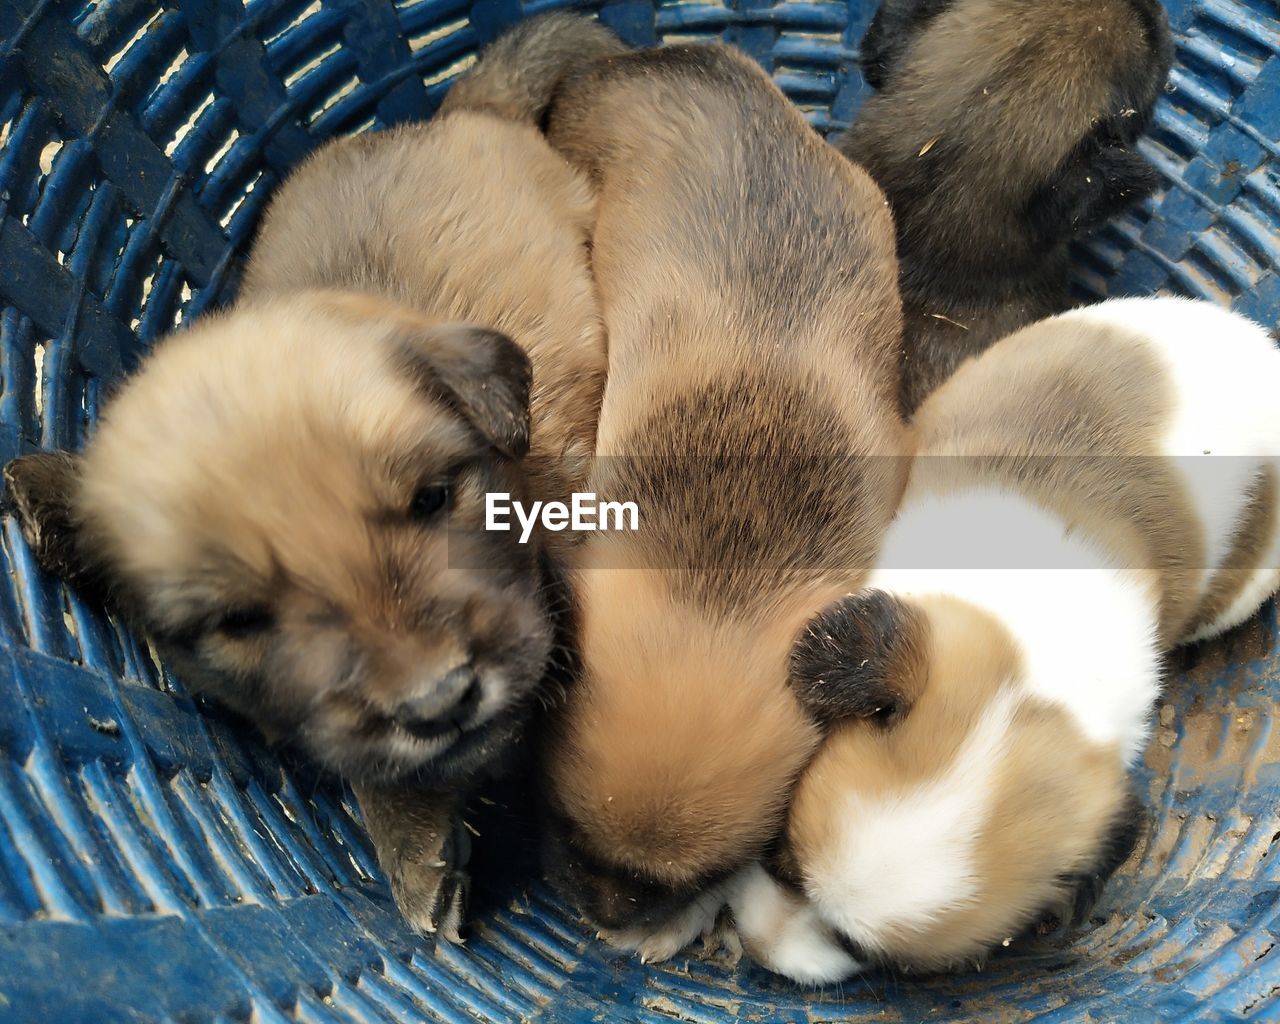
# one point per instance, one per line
(156, 863)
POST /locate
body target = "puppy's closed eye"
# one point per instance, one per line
(885, 714)
(430, 502)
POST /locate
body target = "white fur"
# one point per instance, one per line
(1086, 629)
(906, 857)
(1224, 373)
(783, 931)
(495, 695)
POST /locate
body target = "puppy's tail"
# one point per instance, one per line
(518, 73)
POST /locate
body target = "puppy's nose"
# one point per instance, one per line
(443, 705)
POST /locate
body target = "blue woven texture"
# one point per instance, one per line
(155, 864)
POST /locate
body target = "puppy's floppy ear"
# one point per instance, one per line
(1092, 186)
(890, 33)
(862, 657)
(481, 372)
(40, 490)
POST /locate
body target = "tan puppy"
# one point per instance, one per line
(1089, 492)
(748, 283)
(290, 496)
(1001, 130)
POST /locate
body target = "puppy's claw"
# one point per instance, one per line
(423, 848)
(451, 908)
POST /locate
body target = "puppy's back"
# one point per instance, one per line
(1146, 424)
(1223, 438)
(748, 277)
(471, 218)
(989, 102)
(708, 175)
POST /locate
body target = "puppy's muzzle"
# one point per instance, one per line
(442, 706)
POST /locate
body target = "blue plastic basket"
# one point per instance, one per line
(155, 864)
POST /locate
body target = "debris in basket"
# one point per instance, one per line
(106, 726)
(954, 323)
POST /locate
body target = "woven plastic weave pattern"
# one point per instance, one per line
(157, 865)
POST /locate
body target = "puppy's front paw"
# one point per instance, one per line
(430, 884)
(783, 933)
(424, 850)
(662, 942)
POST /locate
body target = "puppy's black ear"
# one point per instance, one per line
(482, 373)
(39, 490)
(890, 33)
(863, 657)
(1094, 185)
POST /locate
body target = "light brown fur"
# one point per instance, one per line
(290, 496)
(747, 279)
(698, 765)
(1051, 796)
(472, 219)
(1246, 557)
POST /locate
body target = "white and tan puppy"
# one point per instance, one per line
(1088, 493)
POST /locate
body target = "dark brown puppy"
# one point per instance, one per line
(1001, 131)
(290, 496)
(751, 414)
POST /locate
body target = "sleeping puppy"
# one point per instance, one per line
(1090, 492)
(290, 496)
(1000, 134)
(751, 414)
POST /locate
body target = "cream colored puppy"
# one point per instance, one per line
(290, 496)
(747, 278)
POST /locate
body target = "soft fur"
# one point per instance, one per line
(748, 282)
(1089, 492)
(290, 495)
(1000, 133)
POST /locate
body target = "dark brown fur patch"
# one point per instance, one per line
(999, 135)
(863, 657)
